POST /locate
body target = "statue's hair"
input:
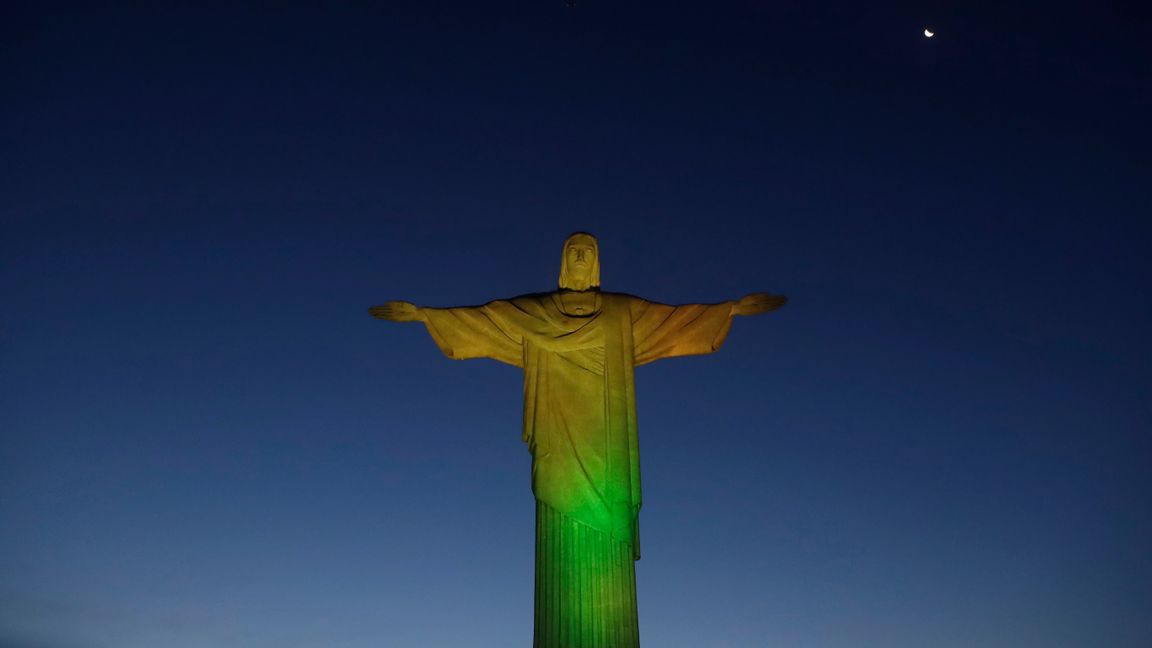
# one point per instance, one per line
(566, 282)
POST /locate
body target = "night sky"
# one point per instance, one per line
(943, 440)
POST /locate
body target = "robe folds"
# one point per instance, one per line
(580, 427)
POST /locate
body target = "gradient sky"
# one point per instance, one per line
(942, 441)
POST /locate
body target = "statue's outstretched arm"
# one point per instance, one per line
(397, 311)
(463, 332)
(758, 303)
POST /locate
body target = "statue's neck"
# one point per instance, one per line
(578, 303)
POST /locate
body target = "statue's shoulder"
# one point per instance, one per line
(551, 294)
(531, 302)
(622, 300)
(533, 298)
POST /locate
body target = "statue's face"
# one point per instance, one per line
(581, 255)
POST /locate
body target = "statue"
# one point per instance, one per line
(578, 347)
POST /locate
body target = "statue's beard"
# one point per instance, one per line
(580, 283)
(577, 279)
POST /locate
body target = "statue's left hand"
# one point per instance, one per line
(757, 303)
(397, 311)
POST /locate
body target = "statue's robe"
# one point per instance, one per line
(580, 426)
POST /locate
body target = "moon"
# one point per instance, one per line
(929, 34)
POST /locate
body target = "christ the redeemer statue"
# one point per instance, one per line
(578, 347)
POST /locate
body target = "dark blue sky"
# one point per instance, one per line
(943, 440)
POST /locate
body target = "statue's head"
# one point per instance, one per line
(580, 266)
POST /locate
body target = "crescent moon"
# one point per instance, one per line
(929, 34)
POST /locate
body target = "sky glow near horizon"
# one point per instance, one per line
(941, 440)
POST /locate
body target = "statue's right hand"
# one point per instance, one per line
(396, 311)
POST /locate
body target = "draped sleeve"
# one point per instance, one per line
(476, 332)
(664, 331)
